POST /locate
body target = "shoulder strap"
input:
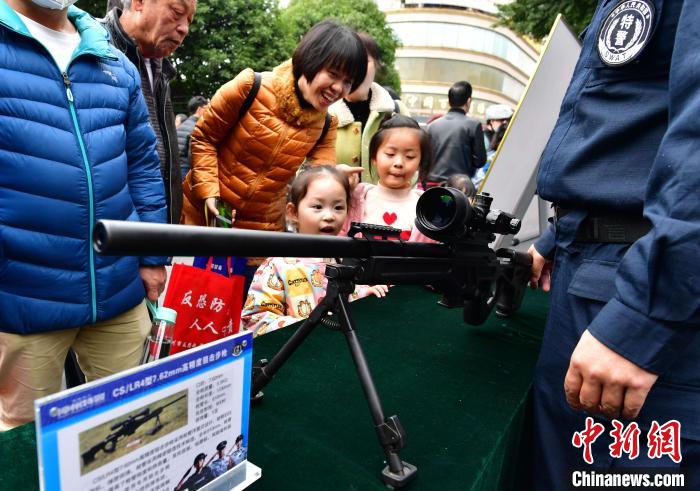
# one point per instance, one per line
(397, 109)
(251, 96)
(326, 126)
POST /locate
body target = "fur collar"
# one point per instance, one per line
(380, 101)
(290, 107)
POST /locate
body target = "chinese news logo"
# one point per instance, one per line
(662, 440)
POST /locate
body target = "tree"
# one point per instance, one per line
(535, 17)
(97, 8)
(226, 37)
(362, 15)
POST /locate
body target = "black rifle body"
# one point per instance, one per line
(124, 428)
(464, 272)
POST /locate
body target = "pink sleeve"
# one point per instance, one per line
(361, 291)
(357, 206)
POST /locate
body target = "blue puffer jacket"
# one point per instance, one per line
(74, 148)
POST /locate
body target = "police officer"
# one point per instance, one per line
(239, 453)
(220, 463)
(621, 168)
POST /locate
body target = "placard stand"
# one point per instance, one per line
(511, 178)
(176, 423)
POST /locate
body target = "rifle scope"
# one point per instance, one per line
(446, 215)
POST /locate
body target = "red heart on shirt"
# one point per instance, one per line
(389, 218)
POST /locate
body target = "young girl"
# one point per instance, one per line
(286, 290)
(397, 151)
(361, 112)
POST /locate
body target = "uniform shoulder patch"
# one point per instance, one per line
(626, 31)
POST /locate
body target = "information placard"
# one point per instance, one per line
(178, 423)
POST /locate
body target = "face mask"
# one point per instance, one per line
(54, 4)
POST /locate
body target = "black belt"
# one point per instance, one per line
(612, 228)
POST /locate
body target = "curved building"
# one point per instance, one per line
(450, 40)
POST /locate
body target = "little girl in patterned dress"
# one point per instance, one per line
(397, 151)
(286, 290)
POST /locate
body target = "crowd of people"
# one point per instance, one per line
(89, 133)
(122, 156)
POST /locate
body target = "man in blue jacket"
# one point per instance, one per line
(621, 167)
(75, 147)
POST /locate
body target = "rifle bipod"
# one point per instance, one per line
(389, 430)
(156, 427)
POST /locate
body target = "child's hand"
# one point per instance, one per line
(352, 173)
(378, 290)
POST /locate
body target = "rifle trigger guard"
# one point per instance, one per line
(110, 446)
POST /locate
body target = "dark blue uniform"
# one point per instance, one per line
(627, 142)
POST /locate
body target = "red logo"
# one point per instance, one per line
(661, 440)
(586, 438)
(665, 440)
(624, 440)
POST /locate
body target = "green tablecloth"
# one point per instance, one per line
(460, 391)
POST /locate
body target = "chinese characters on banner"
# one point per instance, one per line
(208, 305)
(662, 440)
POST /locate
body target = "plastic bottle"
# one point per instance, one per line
(160, 339)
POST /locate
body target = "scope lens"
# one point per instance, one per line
(441, 210)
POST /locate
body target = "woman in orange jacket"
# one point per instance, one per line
(247, 163)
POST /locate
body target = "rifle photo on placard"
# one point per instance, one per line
(119, 436)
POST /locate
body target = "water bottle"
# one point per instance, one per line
(160, 339)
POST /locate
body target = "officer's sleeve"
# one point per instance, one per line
(655, 312)
(546, 243)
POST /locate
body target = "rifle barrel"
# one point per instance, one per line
(172, 402)
(112, 237)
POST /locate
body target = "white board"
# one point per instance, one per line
(511, 179)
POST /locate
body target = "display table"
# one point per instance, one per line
(460, 391)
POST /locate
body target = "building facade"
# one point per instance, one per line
(450, 40)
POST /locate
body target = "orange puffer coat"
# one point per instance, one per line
(249, 164)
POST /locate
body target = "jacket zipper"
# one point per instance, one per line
(166, 143)
(88, 174)
(74, 117)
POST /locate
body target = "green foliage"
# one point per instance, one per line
(362, 15)
(97, 8)
(535, 17)
(226, 37)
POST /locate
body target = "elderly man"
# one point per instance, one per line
(76, 147)
(148, 31)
